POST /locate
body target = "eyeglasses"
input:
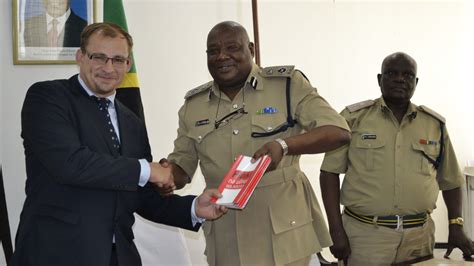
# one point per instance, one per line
(231, 116)
(102, 59)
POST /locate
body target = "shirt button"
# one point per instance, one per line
(199, 137)
(235, 106)
(292, 223)
(269, 129)
(235, 132)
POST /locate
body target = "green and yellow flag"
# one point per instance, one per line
(128, 92)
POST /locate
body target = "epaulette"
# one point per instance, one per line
(360, 105)
(199, 89)
(432, 113)
(278, 71)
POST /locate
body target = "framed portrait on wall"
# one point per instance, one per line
(48, 31)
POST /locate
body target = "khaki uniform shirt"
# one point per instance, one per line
(282, 221)
(385, 170)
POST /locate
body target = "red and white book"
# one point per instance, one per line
(240, 181)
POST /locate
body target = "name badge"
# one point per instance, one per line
(369, 136)
(202, 122)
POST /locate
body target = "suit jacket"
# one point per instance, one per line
(36, 33)
(80, 193)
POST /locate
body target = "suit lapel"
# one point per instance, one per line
(124, 120)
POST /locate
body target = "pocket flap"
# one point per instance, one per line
(432, 150)
(199, 133)
(268, 122)
(369, 143)
(285, 219)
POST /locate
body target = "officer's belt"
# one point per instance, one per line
(280, 175)
(391, 221)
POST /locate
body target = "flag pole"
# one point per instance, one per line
(255, 31)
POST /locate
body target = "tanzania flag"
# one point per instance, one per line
(128, 92)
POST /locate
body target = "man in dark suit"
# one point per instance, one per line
(88, 166)
(59, 26)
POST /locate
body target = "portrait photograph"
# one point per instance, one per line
(48, 31)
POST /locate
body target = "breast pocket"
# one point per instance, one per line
(370, 151)
(265, 127)
(422, 152)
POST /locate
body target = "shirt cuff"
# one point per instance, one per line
(194, 218)
(144, 172)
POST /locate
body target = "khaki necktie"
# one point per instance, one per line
(53, 34)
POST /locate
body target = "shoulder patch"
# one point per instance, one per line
(199, 89)
(278, 71)
(360, 105)
(432, 113)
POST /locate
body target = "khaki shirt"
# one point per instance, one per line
(282, 221)
(385, 170)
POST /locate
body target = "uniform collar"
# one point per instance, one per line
(253, 78)
(411, 113)
(250, 83)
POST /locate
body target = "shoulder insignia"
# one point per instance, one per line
(432, 113)
(199, 89)
(360, 105)
(278, 71)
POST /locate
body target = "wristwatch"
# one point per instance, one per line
(283, 145)
(457, 220)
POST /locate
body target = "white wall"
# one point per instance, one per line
(339, 46)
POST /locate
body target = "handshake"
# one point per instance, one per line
(162, 175)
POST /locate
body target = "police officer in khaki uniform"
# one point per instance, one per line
(246, 110)
(399, 157)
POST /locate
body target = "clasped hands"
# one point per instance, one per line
(161, 175)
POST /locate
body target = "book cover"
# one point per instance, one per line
(240, 181)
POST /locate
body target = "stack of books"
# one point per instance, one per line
(240, 181)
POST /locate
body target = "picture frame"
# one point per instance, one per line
(48, 31)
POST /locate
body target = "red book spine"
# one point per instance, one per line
(242, 193)
(228, 176)
(250, 186)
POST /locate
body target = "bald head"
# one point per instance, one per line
(232, 26)
(399, 56)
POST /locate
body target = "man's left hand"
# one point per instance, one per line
(207, 209)
(458, 239)
(272, 149)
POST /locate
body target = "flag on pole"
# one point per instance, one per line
(128, 92)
